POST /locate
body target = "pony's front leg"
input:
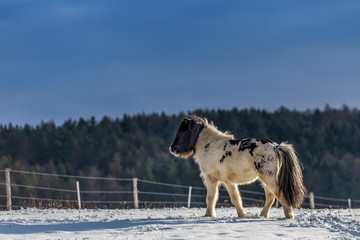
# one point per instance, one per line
(212, 197)
(235, 197)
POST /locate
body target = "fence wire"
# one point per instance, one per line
(153, 196)
(71, 176)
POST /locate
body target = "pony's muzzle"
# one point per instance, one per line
(173, 151)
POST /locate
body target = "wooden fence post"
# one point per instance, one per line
(349, 203)
(189, 197)
(8, 189)
(135, 192)
(78, 194)
(312, 201)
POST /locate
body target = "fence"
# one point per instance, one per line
(16, 192)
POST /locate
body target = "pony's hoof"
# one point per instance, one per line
(263, 214)
(241, 215)
(289, 215)
(209, 214)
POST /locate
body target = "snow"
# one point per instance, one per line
(178, 223)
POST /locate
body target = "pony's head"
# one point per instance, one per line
(186, 137)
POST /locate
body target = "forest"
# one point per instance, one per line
(327, 142)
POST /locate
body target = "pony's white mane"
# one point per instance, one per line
(211, 126)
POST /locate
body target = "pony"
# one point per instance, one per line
(222, 159)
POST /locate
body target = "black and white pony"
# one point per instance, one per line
(225, 160)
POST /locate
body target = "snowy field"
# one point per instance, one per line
(179, 223)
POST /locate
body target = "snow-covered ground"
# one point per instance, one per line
(179, 223)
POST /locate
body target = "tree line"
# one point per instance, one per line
(327, 142)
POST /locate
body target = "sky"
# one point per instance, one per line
(62, 60)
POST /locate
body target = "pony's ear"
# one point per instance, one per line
(187, 120)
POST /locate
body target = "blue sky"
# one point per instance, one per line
(63, 60)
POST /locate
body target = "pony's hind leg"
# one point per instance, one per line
(288, 210)
(234, 193)
(269, 202)
(211, 197)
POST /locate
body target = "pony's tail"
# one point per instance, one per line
(290, 178)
